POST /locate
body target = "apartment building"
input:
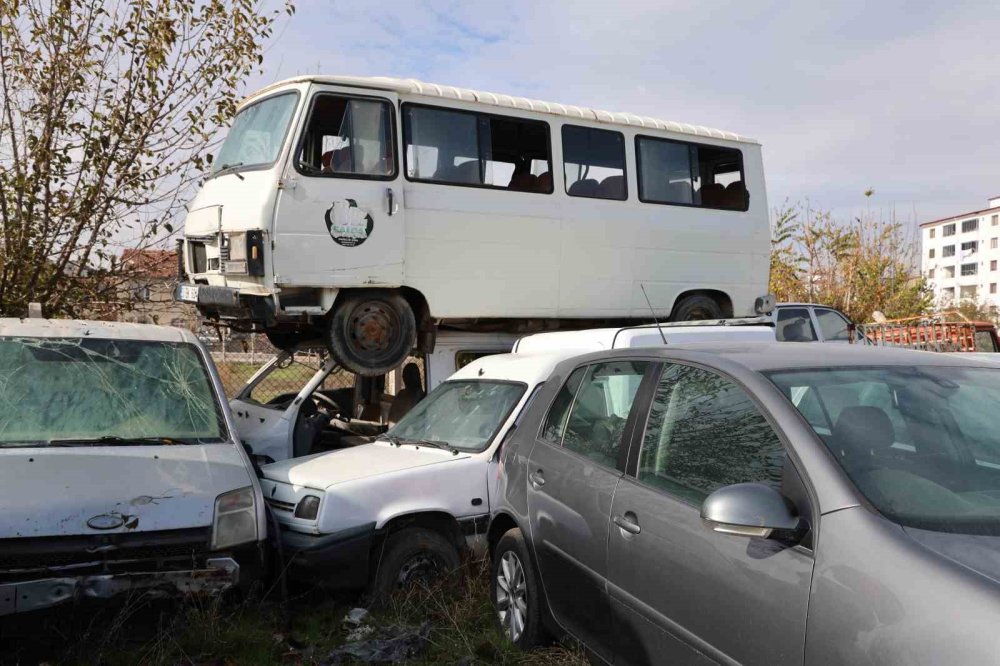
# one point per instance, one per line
(960, 255)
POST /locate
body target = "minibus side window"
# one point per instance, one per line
(594, 162)
(349, 137)
(462, 148)
(690, 174)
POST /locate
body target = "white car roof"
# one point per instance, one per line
(528, 368)
(597, 339)
(77, 328)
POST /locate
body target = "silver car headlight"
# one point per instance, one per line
(235, 518)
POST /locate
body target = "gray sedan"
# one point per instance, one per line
(756, 504)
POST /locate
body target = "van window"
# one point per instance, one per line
(348, 137)
(462, 148)
(593, 162)
(690, 174)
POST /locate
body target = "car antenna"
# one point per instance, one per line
(653, 312)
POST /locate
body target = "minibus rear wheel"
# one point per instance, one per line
(371, 331)
(693, 308)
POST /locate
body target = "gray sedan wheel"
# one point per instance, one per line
(516, 593)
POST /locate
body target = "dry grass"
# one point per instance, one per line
(226, 632)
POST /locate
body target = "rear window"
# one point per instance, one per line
(82, 389)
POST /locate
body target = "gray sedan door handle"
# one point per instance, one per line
(629, 522)
(537, 479)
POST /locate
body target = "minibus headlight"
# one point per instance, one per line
(243, 253)
(235, 519)
(307, 508)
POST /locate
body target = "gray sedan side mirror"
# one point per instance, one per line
(749, 509)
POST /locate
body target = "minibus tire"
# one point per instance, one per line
(694, 308)
(363, 313)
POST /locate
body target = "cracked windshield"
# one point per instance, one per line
(70, 391)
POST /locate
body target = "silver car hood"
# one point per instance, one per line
(105, 490)
(980, 553)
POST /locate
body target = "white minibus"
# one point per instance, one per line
(369, 212)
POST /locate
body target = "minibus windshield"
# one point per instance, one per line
(257, 134)
(103, 392)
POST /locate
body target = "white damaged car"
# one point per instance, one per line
(120, 468)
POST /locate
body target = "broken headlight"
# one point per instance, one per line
(308, 508)
(235, 519)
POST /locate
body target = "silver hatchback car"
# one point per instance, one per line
(756, 504)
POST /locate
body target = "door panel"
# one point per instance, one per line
(678, 589)
(573, 471)
(333, 223)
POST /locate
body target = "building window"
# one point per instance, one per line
(462, 148)
(948, 293)
(970, 225)
(948, 251)
(993, 243)
(993, 264)
(969, 248)
(969, 269)
(930, 253)
(948, 230)
(968, 293)
(690, 174)
(932, 232)
(930, 274)
(993, 287)
(996, 220)
(593, 162)
(949, 271)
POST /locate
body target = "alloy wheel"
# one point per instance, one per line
(512, 596)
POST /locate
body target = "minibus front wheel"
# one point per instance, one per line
(371, 331)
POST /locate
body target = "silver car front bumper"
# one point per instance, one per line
(218, 575)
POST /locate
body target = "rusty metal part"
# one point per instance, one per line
(219, 574)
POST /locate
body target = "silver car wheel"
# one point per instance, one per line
(512, 596)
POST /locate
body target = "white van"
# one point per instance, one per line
(379, 513)
(120, 468)
(369, 211)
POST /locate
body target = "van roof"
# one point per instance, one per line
(597, 339)
(528, 368)
(77, 328)
(415, 87)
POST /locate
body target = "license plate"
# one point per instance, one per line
(188, 293)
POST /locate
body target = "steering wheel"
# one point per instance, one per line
(335, 409)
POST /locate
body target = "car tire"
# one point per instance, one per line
(371, 331)
(694, 308)
(516, 593)
(411, 556)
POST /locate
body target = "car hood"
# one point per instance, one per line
(56, 491)
(323, 470)
(979, 553)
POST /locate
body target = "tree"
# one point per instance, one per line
(858, 267)
(108, 113)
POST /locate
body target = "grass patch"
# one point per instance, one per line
(221, 632)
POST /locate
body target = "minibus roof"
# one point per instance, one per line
(598, 339)
(414, 87)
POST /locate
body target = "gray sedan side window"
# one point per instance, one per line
(555, 422)
(704, 432)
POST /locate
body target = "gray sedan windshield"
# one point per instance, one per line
(89, 391)
(921, 443)
(465, 414)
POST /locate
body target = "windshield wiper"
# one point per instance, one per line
(233, 165)
(432, 443)
(113, 440)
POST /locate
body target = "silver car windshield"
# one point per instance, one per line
(257, 134)
(90, 392)
(921, 443)
(465, 414)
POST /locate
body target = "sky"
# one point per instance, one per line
(901, 97)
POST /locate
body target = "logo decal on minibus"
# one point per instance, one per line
(348, 225)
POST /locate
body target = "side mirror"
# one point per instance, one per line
(749, 509)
